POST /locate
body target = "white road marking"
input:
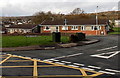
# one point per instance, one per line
(54, 60)
(50, 61)
(87, 68)
(107, 57)
(114, 54)
(113, 70)
(72, 55)
(65, 61)
(100, 56)
(73, 65)
(94, 67)
(59, 63)
(107, 48)
(78, 64)
(106, 72)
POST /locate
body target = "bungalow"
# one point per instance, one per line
(87, 26)
(21, 28)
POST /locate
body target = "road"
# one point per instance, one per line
(101, 57)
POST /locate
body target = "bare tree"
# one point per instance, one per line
(77, 11)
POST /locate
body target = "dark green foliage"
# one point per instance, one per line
(74, 38)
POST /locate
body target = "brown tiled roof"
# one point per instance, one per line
(24, 26)
(75, 22)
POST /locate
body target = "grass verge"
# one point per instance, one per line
(116, 30)
(17, 41)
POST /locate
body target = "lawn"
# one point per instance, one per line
(116, 30)
(16, 41)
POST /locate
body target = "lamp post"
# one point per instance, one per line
(96, 18)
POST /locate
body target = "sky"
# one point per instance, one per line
(30, 7)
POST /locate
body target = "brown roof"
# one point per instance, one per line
(2, 29)
(24, 26)
(75, 22)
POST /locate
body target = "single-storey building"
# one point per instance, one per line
(21, 28)
(87, 26)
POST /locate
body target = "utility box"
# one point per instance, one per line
(81, 36)
(56, 37)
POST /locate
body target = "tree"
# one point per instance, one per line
(77, 11)
(39, 17)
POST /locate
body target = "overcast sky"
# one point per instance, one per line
(29, 7)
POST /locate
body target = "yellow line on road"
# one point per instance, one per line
(48, 76)
(83, 72)
(26, 66)
(17, 60)
(5, 59)
(2, 57)
(35, 71)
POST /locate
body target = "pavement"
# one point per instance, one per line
(37, 47)
(98, 60)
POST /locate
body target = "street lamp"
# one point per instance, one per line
(97, 16)
(96, 19)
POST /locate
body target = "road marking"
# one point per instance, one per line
(102, 55)
(113, 70)
(79, 64)
(73, 65)
(106, 72)
(48, 61)
(72, 55)
(65, 61)
(59, 63)
(6, 59)
(94, 67)
(107, 48)
(54, 60)
(87, 68)
(35, 66)
(35, 71)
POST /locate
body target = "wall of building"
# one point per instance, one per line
(17, 30)
(88, 30)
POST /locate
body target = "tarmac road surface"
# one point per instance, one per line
(102, 57)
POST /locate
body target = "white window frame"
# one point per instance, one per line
(98, 27)
(74, 28)
(92, 27)
(64, 27)
(82, 28)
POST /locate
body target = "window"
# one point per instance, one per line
(47, 28)
(82, 27)
(96, 27)
(65, 28)
(74, 28)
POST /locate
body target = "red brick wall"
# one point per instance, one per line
(87, 32)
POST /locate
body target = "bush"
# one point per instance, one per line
(74, 38)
